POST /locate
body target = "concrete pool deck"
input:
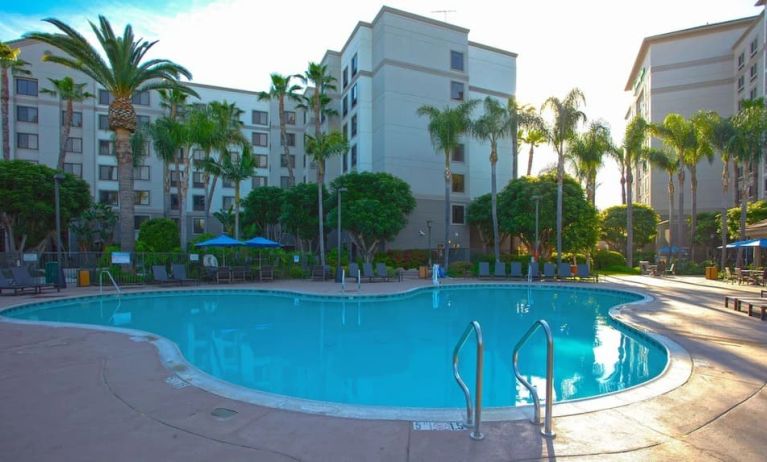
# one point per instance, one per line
(79, 394)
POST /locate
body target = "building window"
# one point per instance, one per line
(142, 198)
(345, 131)
(459, 184)
(227, 202)
(354, 156)
(198, 203)
(143, 121)
(227, 183)
(290, 118)
(74, 145)
(74, 169)
(260, 117)
(345, 104)
(77, 119)
(458, 153)
(261, 161)
(458, 214)
(753, 71)
(197, 180)
(27, 87)
(259, 181)
(345, 162)
(456, 91)
(105, 98)
(456, 60)
(103, 122)
(198, 155)
(141, 172)
(107, 173)
(26, 114)
(354, 95)
(354, 65)
(108, 197)
(354, 125)
(345, 76)
(106, 148)
(174, 201)
(754, 46)
(290, 138)
(26, 141)
(139, 220)
(741, 60)
(198, 225)
(260, 139)
(284, 161)
(175, 178)
(752, 94)
(741, 83)
(287, 182)
(140, 98)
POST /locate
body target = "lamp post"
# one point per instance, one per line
(58, 178)
(338, 230)
(428, 227)
(537, 200)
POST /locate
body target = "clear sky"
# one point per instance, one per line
(590, 44)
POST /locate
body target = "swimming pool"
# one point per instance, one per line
(392, 351)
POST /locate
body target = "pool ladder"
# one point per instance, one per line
(473, 418)
(101, 282)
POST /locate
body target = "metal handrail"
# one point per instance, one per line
(101, 279)
(477, 411)
(546, 431)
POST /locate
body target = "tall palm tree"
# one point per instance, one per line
(722, 139)
(445, 129)
(703, 123)
(634, 152)
(69, 92)
(316, 76)
(282, 90)
(534, 137)
(521, 116)
(321, 148)
(124, 73)
(174, 101)
(234, 167)
(496, 123)
(618, 156)
(586, 153)
(9, 61)
(669, 163)
(567, 116)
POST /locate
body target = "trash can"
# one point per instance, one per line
(84, 278)
(52, 272)
(712, 273)
(423, 272)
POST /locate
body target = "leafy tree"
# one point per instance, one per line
(124, 73)
(227, 219)
(586, 154)
(69, 92)
(375, 207)
(236, 168)
(27, 202)
(479, 214)
(158, 235)
(612, 225)
(300, 211)
(533, 137)
(318, 101)
(97, 224)
(755, 211)
(707, 230)
(9, 61)
(262, 208)
(282, 90)
(668, 162)
(722, 138)
(174, 101)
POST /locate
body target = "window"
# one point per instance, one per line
(261, 161)
(260, 117)
(458, 215)
(290, 138)
(74, 145)
(290, 117)
(345, 105)
(287, 182)
(354, 125)
(198, 155)
(753, 71)
(752, 95)
(74, 169)
(77, 118)
(456, 91)
(106, 148)
(458, 153)
(741, 60)
(108, 197)
(459, 185)
(354, 95)
(284, 161)
(103, 122)
(226, 183)
(26, 114)
(197, 180)
(105, 98)
(260, 139)
(227, 202)
(27, 87)
(259, 181)
(741, 83)
(141, 172)
(345, 162)
(345, 76)
(456, 60)
(354, 156)
(175, 178)
(107, 173)
(354, 65)
(174, 201)
(143, 121)
(139, 220)
(198, 225)
(26, 141)
(142, 198)
(754, 46)
(140, 98)
(345, 131)
(198, 203)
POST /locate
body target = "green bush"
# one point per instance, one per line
(607, 258)
(406, 258)
(460, 269)
(296, 272)
(644, 256)
(689, 268)
(158, 235)
(621, 269)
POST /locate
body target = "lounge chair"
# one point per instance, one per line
(549, 270)
(564, 271)
(584, 272)
(382, 272)
(354, 272)
(223, 274)
(160, 275)
(516, 270)
(728, 275)
(500, 270)
(10, 284)
(671, 269)
(484, 270)
(318, 273)
(367, 272)
(266, 273)
(21, 277)
(532, 270)
(179, 274)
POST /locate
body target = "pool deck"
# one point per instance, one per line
(78, 394)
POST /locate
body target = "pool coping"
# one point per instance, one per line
(676, 372)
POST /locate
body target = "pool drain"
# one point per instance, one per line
(223, 413)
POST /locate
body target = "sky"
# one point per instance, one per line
(562, 44)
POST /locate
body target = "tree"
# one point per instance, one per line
(68, 92)
(124, 73)
(533, 137)
(755, 212)
(235, 168)
(374, 208)
(708, 231)
(174, 101)
(282, 90)
(262, 208)
(586, 153)
(227, 219)
(96, 224)
(521, 116)
(9, 61)
(27, 206)
(318, 100)
(617, 154)
(158, 235)
(321, 148)
(612, 226)
(669, 163)
(722, 139)
(445, 129)
(300, 211)
(479, 215)
(567, 116)
(703, 123)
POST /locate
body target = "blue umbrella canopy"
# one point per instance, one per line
(262, 243)
(220, 241)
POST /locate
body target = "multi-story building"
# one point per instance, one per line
(386, 70)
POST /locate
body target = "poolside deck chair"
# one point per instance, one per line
(21, 277)
(549, 270)
(584, 272)
(516, 270)
(671, 269)
(10, 284)
(484, 270)
(381, 271)
(728, 277)
(564, 271)
(532, 270)
(499, 270)
(179, 274)
(354, 272)
(223, 274)
(266, 273)
(367, 272)
(318, 273)
(160, 275)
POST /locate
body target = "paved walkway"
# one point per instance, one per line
(77, 394)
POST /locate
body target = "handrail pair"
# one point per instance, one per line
(476, 419)
(101, 279)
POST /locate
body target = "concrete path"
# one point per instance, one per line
(77, 394)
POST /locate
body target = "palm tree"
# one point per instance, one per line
(70, 92)
(521, 116)
(445, 128)
(124, 73)
(317, 76)
(703, 123)
(618, 156)
(281, 90)
(634, 152)
(722, 139)
(321, 148)
(174, 101)
(567, 115)
(586, 153)
(9, 60)
(236, 168)
(669, 163)
(533, 137)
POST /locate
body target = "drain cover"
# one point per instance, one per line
(223, 413)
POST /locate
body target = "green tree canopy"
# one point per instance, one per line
(300, 211)
(756, 211)
(479, 214)
(612, 226)
(262, 208)
(158, 235)
(374, 208)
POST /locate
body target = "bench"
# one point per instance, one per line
(751, 303)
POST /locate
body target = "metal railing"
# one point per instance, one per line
(547, 431)
(473, 419)
(101, 282)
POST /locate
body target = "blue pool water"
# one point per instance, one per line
(387, 351)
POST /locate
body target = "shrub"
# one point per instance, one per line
(296, 272)
(460, 269)
(406, 258)
(158, 235)
(621, 269)
(607, 258)
(689, 268)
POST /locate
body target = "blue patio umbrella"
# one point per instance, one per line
(262, 243)
(220, 241)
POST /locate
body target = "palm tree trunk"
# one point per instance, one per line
(743, 209)
(670, 214)
(560, 198)
(694, 217)
(447, 209)
(126, 194)
(623, 184)
(514, 152)
(182, 188)
(284, 139)
(680, 221)
(209, 200)
(494, 203)
(629, 218)
(530, 160)
(165, 189)
(237, 210)
(4, 98)
(725, 189)
(65, 135)
(320, 181)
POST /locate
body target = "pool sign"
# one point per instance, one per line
(29, 257)
(121, 258)
(194, 257)
(296, 258)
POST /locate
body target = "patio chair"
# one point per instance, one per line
(484, 270)
(516, 270)
(500, 270)
(382, 272)
(318, 273)
(354, 272)
(266, 273)
(160, 275)
(584, 272)
(548, 270)
(21, 277)
(10, 284)
(564, 271)
(532, 270)
(179, 274)
(223, 274)
(367, 272)
(671, 269)
(728, 277)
